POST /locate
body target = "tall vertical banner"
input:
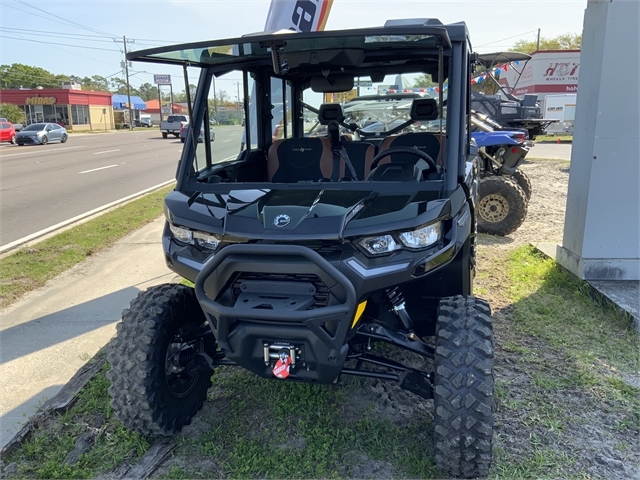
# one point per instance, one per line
(298, 16)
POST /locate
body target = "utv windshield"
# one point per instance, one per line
(267, 92)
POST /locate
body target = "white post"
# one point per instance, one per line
(602, 225)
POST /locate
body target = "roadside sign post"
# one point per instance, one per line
(163, 80)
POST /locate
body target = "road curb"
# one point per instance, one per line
(72, 222)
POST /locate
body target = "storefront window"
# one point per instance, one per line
(80, 114)
(49, 112)
(61, 114)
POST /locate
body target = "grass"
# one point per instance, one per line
(569, 350)
(554, 138)
(30, 267)
(549, 303)
(43, 456)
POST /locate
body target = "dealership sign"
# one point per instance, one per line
(545, 73)
(162, 79)
(40, 100)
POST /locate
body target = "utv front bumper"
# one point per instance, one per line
(254, 318)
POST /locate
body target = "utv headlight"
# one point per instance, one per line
(206, 240)
(183, 234)
(422, 237)
(378, 245)
(201, 239)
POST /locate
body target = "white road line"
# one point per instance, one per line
(106, 151)
(79, 218)
(225, 141)
(40, 151)
(96, 169)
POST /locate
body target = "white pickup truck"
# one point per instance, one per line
(172, 125)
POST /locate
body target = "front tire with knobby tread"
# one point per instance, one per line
(463, 387)
(150, 392)
(502, 205)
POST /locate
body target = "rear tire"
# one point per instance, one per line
(165, 134)
(463, 387)
(64, 138)
(13, 139)
(502, 205)
(181, 139)
(523, 181)
(158, 381)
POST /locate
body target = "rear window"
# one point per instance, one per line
(4, 126)
(177, 118)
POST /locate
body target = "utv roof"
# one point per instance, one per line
(502, 57)
(397, 37)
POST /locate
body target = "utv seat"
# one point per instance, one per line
(294, 160)
(361, 154)
(429, 143)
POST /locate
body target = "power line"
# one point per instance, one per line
(66, 36)
(508, 38)
(76, 24)
(63, 44)
(72, 53)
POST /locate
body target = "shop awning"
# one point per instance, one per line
(120, 101)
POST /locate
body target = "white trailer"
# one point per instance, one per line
(561, 108)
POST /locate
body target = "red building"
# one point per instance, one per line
(77, 109)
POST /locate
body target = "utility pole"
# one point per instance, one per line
(215, 100)
(538, 43)
(126, 69)
(238, 97)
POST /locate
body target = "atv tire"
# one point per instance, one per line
(463, 387)
(158, 381)
(501, 207)
(523, 181)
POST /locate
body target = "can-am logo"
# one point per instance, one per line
(282, 220)
(301, 149)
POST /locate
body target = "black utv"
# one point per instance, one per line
(306, 249)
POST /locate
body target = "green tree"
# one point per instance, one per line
(13, 113)
(566, 41)
(96, 82)
(181, 97)
(424, 81)
(148, 92)
(18, 75)
(118, 85)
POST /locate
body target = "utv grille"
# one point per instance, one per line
(321, 297)
(321, 248)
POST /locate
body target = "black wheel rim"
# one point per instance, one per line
(178, 378)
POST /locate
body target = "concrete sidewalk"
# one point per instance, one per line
(48, 335)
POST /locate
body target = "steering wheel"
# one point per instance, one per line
(409, 150)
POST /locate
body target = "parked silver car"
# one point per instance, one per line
(41, 134)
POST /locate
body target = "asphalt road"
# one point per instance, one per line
(41, 186)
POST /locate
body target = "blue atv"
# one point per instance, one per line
(503, 190)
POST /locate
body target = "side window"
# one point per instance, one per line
(281, 126)
(219, 136)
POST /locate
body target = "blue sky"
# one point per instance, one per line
(84, 30)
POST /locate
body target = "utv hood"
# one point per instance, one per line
(305, 214)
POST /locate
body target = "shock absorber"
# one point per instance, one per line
(396, 298)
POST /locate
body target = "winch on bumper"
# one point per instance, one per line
(257, 318)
